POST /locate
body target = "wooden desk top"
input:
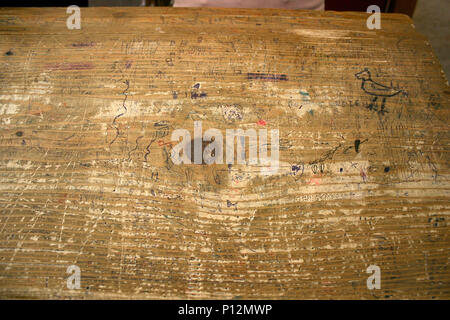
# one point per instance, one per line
(86, 177)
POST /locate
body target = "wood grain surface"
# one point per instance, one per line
(86, 177)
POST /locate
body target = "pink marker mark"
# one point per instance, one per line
(261, 122)
(363, 175)
(162, 143)
(315, 181)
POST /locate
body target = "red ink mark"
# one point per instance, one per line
(315, 181)
(70, 66)
(162, 143)
(62, 198)
(363, 175)
(261, 122)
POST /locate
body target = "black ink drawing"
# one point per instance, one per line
(195, 93)
(377, 90)
(267, 76)
(135, 148)
(125, 93)
(161, 131)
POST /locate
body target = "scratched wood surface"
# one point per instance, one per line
(86, 118)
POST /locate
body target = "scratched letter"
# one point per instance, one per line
(73, 21)
(374, 21)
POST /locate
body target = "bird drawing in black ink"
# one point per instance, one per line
(377, 90)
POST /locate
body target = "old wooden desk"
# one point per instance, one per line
(86, 118)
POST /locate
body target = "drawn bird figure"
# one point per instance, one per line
(376, 89)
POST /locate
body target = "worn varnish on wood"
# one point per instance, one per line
(86, 118)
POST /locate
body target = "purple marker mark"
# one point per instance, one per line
(195, 95)
(267, 76)
(83, 44)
